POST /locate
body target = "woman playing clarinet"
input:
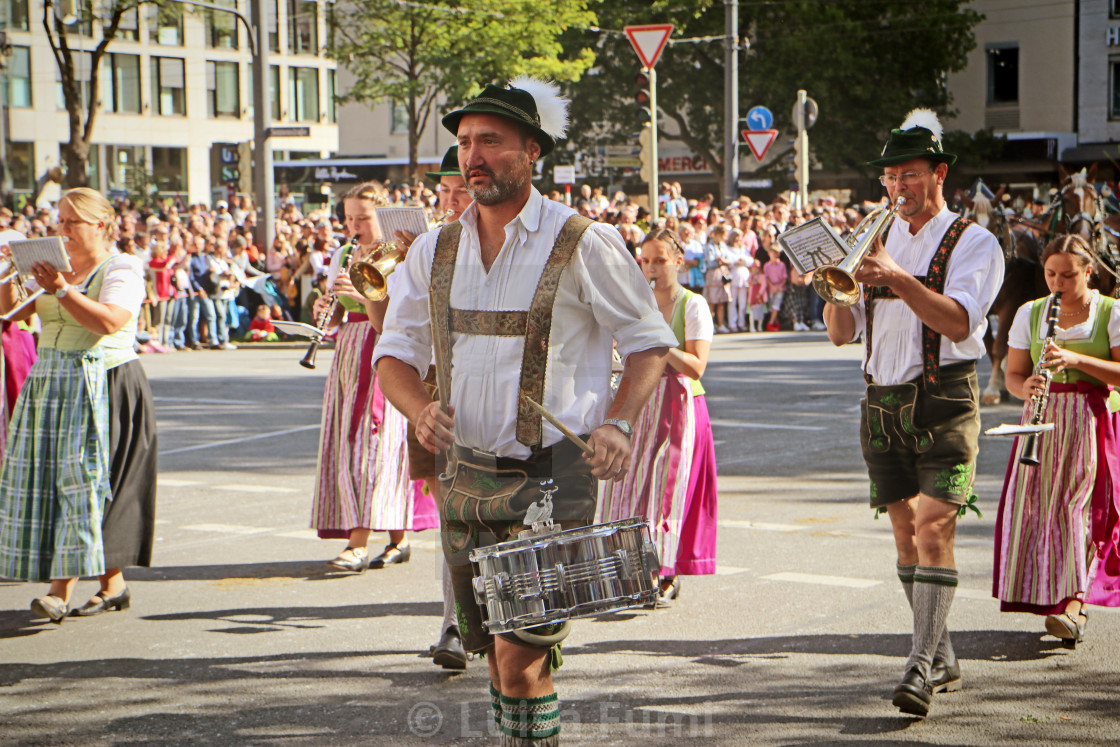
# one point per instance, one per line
(672, 477)
(1054, 550)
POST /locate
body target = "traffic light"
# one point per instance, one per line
(645, 155)
(245, 167)
(641, 97)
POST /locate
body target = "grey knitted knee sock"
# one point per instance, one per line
(934, 589)
(449, 617)
(945, 650)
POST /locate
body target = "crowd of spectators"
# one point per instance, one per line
(210, 285)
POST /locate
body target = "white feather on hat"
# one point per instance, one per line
(923, 118)
(552, 108)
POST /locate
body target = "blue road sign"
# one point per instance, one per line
(760, 118)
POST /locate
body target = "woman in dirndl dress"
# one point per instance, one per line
(363, 482)
(1056, 540)
(672, 477)
(54, 484)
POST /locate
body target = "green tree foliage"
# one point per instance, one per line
(421, 52)
(865, 62)
(82, 105)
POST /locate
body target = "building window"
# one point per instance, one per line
(272, 13)
(303, 27)
(169, 169)
(1114, 88)
(129, 30)
(303, 90)
(19, 78)
(221, 27)
(122, 163)
(223, 90)
(169, 97)
(17, 15)
(332, 97)
(1003, 75)
(165, 24)
(21, 157)
(1114, 8)
(398, 119)
(274, 91)
(82, 25)
(122, 84)
(82, 66)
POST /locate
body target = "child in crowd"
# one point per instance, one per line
(756, 297)
(776, 278)
(261, 329)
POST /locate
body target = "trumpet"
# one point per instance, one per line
(837, 284)
(19, 288)
(370, 276)
(308, 360)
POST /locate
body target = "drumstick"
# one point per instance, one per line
(583, 445)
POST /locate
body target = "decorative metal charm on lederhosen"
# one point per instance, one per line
(475, 490)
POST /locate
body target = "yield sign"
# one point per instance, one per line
(759, 141)
(649, 41)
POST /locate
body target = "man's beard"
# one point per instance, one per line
(508, 185)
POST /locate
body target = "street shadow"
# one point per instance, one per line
(303, 617)
(988, 645)
(307, 570)
(351, 696)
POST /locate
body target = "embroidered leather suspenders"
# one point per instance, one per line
(934, 279)
(535, 325)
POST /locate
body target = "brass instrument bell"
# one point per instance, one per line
(837, 284)
(370, 276)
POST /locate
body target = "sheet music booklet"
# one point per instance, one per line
(29, 251)
(813, 244)
(393, 219)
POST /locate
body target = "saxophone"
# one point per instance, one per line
(1029, 455)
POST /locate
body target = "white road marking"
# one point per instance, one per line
(257, 437)
(767, 426)
(169, 482)
(227, 528)
(812, 578)
(729, 570)
(205, 401)
(256, 489)
(300, 534)
(763, 525)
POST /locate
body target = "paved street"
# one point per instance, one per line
(240, 635)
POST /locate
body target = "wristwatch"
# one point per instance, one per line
(622, 425)
(63, 290)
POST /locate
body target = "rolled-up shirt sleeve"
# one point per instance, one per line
(407, 334)
(975, 274)
(618, 294)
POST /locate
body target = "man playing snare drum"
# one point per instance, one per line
(528, 297)
(922, 316)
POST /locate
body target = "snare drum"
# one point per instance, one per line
(564, 575)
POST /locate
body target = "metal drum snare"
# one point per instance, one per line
(565, 575)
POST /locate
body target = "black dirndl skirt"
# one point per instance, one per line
(128, 529)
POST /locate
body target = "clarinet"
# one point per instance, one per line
(1029, 455)
(308, 360)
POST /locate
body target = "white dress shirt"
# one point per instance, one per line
(602, 296)
(973, 279)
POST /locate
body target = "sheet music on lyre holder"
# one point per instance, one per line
(393, 219)
(29, 251)
(813, 244)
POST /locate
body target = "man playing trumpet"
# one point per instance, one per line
(922, 317)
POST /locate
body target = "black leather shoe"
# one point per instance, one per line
(913, 695)
(392, 555)
(945, 676)
(121, 601)
(51, 607)
(358, 564)
(449, 652)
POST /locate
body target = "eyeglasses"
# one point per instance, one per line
(889, 180)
